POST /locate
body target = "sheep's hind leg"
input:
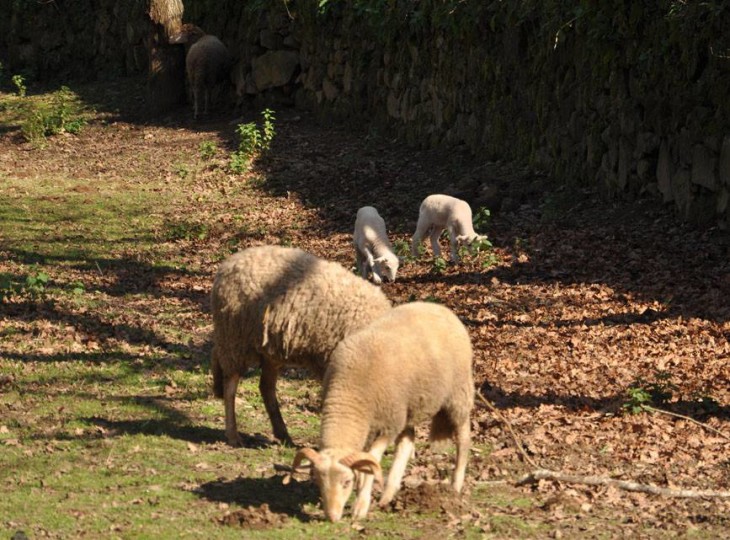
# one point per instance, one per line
(267, 387)
(365, 481)
(463, 444)
(421, 231)
(229, 404)
(403, 452)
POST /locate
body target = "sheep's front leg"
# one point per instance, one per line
(365, 482)
(463, 443)
(360, 263)
(371, 265)
(404, 450)
(454, 244)
(267, 387)
(229, 404)
(435, 233)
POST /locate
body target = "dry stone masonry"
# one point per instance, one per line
(627, 96)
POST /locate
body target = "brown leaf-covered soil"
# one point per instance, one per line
(584, 300)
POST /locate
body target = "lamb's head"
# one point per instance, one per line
(386, 266)
(335, 474)
(469, 239)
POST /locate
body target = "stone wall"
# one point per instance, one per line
(630, 96)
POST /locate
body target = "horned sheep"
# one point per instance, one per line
(373, 251)
(412, 364)
(275, 306)
(207, 64)
(439, 212)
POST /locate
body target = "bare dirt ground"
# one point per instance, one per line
(586, 300)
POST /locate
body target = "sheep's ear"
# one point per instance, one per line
(380, 259)
(365, 463)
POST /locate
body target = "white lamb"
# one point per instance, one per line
(275, 306)
(412, 364)
(373, 251)
(439, 212)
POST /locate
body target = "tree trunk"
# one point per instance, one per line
(166, 76)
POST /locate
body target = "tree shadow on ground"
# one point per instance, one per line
(245, 491)
(612, 404)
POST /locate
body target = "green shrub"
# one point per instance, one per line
(207, 150)
(44, 119)
(253, 142)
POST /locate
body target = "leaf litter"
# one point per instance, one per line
(586, 299)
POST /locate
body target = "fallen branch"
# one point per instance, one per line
(508, 425)
(544, 474)
(676, 415)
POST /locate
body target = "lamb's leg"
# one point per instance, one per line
(403, 452)
(206, 99)
(435, 233)
(360, 263)
(229, 404)
(371, 265)
(463, 444)
(421, 231)
(454, 244)
(365, 482)
(267, 387)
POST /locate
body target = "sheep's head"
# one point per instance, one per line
(386, 266)
(188, 35)
(335, 475)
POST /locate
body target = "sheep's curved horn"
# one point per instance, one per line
(309, 454)
(364, 462)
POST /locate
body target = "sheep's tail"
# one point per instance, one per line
(442, 427)
(218, 379)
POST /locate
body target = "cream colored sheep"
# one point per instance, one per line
(207, 64)
(412, 364)
(373, 251)
(439, 212)
(275, 306)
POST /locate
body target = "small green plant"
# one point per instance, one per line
(7, 287)
(208, 150)
(253, 142)
(181, 170)
(32, 287)
(402, 248)
(185, 230)
(19, 82)
(481, 219)
(35, 284)
(77, 288)
(439, 265)
(643, 394)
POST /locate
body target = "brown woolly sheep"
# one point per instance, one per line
(275, 306)
(412, 364)
(207, 63)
